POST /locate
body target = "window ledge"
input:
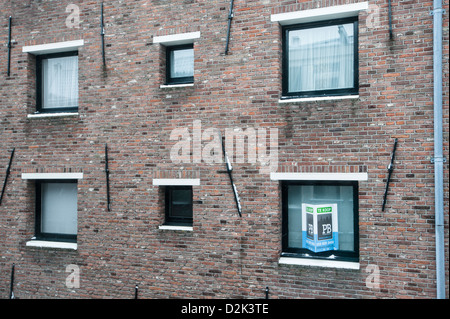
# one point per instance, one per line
(172, 227)
(170, 86)
(318, 263)
(317, 99)
(47, 115)
(51, 244)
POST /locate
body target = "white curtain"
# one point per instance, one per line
(182, 63)
(59, 208)
(60, 82)
(321, 58)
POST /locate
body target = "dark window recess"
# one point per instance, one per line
(320, 59)
(56, 210)
(178, 205)
(320, 220)
(180, 64)
(57, 82)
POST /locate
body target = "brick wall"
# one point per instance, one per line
(225, 256)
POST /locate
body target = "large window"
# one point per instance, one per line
(178, 205)
(57, 82)
(180, 64)
(320, 220)
(321, 58)
(56, 210)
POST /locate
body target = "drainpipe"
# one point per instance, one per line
(438, 148)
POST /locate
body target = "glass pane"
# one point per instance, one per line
(59, 208)
(321, 58)
(182, 63)
(300, 197)
(181, 203)
(60, 82)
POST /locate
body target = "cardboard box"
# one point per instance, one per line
(320, 227)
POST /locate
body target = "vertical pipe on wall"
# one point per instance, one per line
(438, 148)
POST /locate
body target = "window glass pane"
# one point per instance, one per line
(182, 63)
(320, 196)
(60, 82)
(59, 208)
(321, 58)
(181, 203)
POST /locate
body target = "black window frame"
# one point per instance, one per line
(337, 255)
(319, 93)
(178, 80)
(40, 86)
(177, 221)
(39, 235)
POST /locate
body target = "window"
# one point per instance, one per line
(57, 82)
(320, 58)
(178, 205)
(180, 64)
(320, 220)
(56, 210)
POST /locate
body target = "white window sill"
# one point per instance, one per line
(170, 86)
(319, 176)
(318, 263)
(182, 228)
(318, 99)
(52, 175)
(47, 115)
(51, 244)
(176, 181)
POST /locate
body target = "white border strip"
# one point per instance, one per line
(51, 244)
(52, 175)
(170, 86)
(334, 12)
(319, 176)
(318, 263)
(321, 98)
(53, 47)
(176, 181)
(175, 39)
(169, 227)
(46, 115)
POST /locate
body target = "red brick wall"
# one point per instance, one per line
(225, 256)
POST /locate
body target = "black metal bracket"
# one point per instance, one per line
(102, 34)
(391, 34)
(230, 175)
(390, 170)
(8, 170)
(9, 46)
(107, 178)
(230, 17)
(11, 287)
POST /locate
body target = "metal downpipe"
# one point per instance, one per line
(438, 148)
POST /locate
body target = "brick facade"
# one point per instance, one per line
(224, 256)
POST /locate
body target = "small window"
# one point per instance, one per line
(320, 220)
(56, 210)
(321, 59)
(180, 64)
(179, 205)
(57, 82)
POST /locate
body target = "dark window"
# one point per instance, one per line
(179, 205)
(320, 59)
(180, 64)
(320, 220)
(57, 82)
(56, 210)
